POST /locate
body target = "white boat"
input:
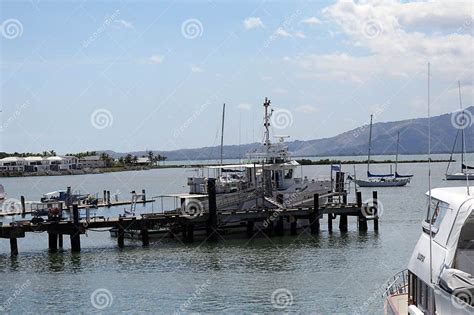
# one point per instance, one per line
(2, 192)
(267, 180)
(466, 172)
(439, 278)
(382, 180)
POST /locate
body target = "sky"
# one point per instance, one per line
(141, 75)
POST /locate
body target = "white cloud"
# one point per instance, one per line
(280, 91)
(244, 106)
(387, 39)
(307, 109)
(156, 59)
(282, 32)
(124, 24)
(299, 34)
(312, 20)
(196, 69)
(252, 22)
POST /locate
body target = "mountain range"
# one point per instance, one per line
(413, 140)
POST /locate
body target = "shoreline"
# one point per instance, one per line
(304, 162)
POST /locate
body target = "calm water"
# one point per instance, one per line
(324, 275)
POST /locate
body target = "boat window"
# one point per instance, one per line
(288, 174)
(437, 212)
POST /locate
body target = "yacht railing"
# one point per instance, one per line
(397, 284)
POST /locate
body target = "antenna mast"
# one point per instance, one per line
(396, 157)
(429, 177)
(266, 124)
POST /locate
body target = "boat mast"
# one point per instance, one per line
(370, 144)
(429, 178)
(396, 157)
(463, 117)
(222, 133)
(266, 124)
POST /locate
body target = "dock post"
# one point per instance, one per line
(314, 215)
(212, 220)
(250, 225)
(13, 246)
(279, 227)
(190, 233)
(184, 232)
(376, 210)
(108, 197)
(76, 236)
(52, 242)
(121, 234)
(145, 234)
(105, 197)
(293, 225)
(60, 241)
(330, 222)
(362, 218)
(23, 207)
(343, 222)
(143, 195)
(68, 196)
(344, 197)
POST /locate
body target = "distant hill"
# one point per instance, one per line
(413, 140)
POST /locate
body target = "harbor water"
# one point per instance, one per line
(324, 274)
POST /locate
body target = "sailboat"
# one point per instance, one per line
(465, 169)
(382, 180)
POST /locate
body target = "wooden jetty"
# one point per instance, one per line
(213, 222)
(105, 202)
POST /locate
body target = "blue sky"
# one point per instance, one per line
(153, 75)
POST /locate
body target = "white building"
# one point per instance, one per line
(91, 162)
(12, 164)
(36, 163)
(59, 163)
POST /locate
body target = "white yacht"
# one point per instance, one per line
(439, 278)
(267, 180)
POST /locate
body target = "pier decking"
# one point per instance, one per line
(212, 221)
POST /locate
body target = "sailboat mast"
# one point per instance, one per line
(462, 127)
(222, 134)
(396, 157)
(370, 144)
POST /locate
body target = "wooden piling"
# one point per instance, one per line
(108, 197)
(53, 242)
(105, 197)
(344, 198)
(121, 234)
(23, 206)
(361, 218)
(250, 226)
(293, 226)
(190, 233)
(143, 195)
(279, 227)
(212, 220)
(376, 210)
(184, 232)
(60, 241)
(145, 237)
(76, 236)
(13, 246)
(329, 222)
(343, 223)
(314, 215)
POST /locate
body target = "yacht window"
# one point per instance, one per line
(288, 174)
(437, 212)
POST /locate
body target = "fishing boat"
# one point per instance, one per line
(267, 180)
(382, 180)
(467, 172)
(439, 278)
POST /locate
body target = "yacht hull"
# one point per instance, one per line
(391, 183)
(459, 176)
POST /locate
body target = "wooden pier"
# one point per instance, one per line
(212, 223)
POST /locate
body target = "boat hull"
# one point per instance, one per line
(389, 183)
(460, 176)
